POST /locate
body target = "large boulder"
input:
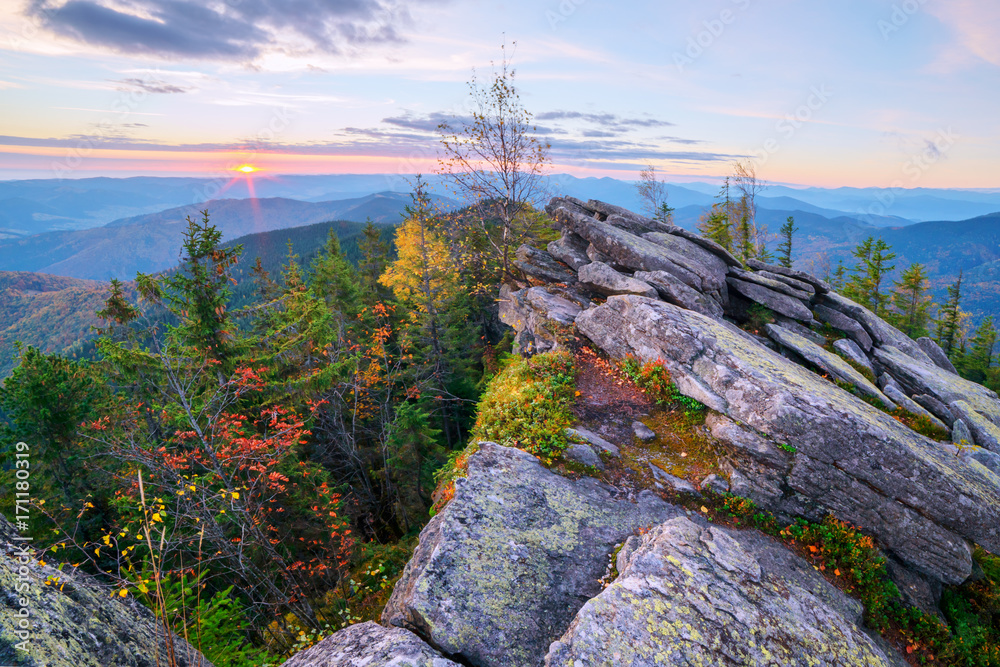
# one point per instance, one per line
(541, 265)
(922, 503)
(779, 302)
(672, 290)
(937, 355)
(501, 571)
(370, 645)
(688, 594)
(72, 620)
(570, 249)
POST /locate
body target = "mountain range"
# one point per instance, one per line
(41, 205)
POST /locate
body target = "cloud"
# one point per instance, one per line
(977, 25)
(150, 86)
(239, 30)
(611, 122)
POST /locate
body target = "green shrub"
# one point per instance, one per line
(654, 379)
(527, 405)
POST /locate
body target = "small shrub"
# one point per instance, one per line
(654, 379)
(788, 448)
(758, 317)
(922, 425)
(528, 404)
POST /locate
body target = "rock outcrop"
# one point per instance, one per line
(501, 571)
(692, 595)
(924, 501)
(71, 620)
(370, 645)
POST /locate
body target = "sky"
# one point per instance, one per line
(830, 93)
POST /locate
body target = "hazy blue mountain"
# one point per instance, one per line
(150, 243)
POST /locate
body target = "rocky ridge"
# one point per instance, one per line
(510, 571)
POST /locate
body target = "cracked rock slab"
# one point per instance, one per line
(500, 572)
(694, 595)
(370, 645)
(912, 494)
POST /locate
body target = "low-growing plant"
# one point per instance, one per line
(654, 379)
(758, 317)
(527, 405)
(788, 448)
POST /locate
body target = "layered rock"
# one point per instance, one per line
(72, 620)
(501, 571)
(914, 495)
(370, 645)
(691, 595)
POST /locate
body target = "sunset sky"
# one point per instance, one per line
(825, 92)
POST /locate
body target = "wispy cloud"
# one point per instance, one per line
(149, 86)
(238, 31)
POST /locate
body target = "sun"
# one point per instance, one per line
(247, 168)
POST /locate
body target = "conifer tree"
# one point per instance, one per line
(374, 258)
(716, 224)
(949, 318)
(334, 280)
(838, 278)
(975, 364)
(866, 285)
(912, 303)
(785, 249)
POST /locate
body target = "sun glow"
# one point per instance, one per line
(247, 168)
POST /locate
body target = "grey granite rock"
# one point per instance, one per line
(821, 286)
(776, 301)
(851, 327)
(584, 455)
(708, 266)
(709, 245)
(500, 572)
(761, 278)
(914, 496)
(936, 408)
(601, 278)
(570, 249)
(960, 434)
(695, 595)
(581, 434)
(542, 265)
(911, 406)
(676, 292)
(77, 623)
(536, 313)
(881, 332)
(827, 362)
(370, 645)
(937, 355)
(800, 329)
(984, 432)
(980, 407)
(627, 250)
(673, 482)
(715, 484)
(797, 285)
(853, 351)
(643, 432)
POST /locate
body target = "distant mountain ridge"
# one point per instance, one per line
(42, 205)
(150, 243)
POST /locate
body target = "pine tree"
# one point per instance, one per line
(949, 318)
(716, 224)
(912, 303)
(333, 279)
(866, 285)
(838, 279)
(785, 249)
(975, 364)
(374, 258)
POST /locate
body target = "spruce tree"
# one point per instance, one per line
(867, 283)
(912, 303)
(716, 224)
(785, 249)
(374, 258)
(949, 318)
(975, 364)
(333, 279)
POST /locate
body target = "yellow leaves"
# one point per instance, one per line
(143, 588)
(181, 492)
(156, 518)
(123, 593)
(107, 540)
(97, 551)
(236, 495)
(704, 509)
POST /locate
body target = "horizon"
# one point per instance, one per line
(93, 89)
